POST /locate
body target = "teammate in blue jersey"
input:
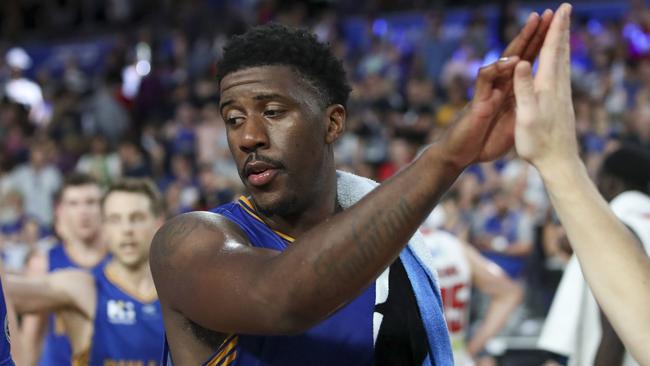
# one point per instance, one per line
(112, 316)
(78, 225)
(295, 274)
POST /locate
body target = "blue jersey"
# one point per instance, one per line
(56, 347)
(128, 329)
(379, 327)
(5, 349)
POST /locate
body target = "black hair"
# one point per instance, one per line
(631, 165)
(275, 44)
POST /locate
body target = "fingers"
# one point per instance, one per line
(519, 43)
(524, 91)
(533, 47)
(554, 63)
(488, 75)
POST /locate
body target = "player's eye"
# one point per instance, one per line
(273, 112)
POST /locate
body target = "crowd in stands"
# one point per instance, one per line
(150, 108)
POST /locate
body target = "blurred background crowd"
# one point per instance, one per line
(119, 88)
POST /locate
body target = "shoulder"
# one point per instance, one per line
(192, 234)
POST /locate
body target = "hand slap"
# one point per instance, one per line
(545, 120)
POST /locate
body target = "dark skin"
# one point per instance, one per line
(206, 270)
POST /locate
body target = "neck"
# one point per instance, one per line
(316, 208)
(85, 252)
(137, 280)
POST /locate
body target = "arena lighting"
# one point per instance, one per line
(143, 68)
(380, 27)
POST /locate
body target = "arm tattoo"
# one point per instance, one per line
(368, 240)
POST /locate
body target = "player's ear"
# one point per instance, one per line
(336, 116)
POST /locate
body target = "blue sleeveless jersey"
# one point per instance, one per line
(348, 337)
(127, 330)
(5, 349)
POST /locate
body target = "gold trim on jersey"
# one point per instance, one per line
(224, 356)
(146, 299)
(248, 207)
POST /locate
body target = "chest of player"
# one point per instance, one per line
(127, 331)
(381, 326)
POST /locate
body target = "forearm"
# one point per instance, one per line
(336, 260)
(600, 241)
(32, 334)
(500, 309)
(30, 294)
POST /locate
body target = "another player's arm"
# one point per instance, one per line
(545, 136)
(505, 296)
(65, 289)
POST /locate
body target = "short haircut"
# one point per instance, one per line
(144, 186)
(275, 44)
(631, 165)
(75, 179)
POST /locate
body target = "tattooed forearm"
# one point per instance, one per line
(368, 239)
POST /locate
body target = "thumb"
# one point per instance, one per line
(524, 87)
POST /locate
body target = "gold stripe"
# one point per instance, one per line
(224, 351)
(141, 298)
(248, 207)
(229, 359)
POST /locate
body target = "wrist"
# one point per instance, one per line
(436, 155)
(560, 170)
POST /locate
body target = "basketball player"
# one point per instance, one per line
(460, 266)
(78, 225)
(305, 271)
(614, 264)
(112, 316)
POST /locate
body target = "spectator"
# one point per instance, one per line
(99, 163)
(37, 181)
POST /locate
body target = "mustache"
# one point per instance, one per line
(246, 170)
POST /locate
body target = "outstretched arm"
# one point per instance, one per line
(607, 251)
(62, 289)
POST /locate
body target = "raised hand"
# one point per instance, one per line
(545, 129)
(485, 129)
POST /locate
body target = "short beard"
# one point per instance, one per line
(286, 207)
